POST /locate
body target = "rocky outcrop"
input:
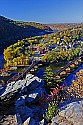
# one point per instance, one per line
(28, 84)
(28, 110)
(26, 94)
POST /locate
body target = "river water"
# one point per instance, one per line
(1, 61)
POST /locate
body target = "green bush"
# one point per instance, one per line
(51, 111)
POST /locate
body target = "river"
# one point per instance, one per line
(1, 61)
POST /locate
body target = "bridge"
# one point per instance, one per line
(23, 73)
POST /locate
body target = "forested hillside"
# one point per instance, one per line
(10, 31)
(34, 24)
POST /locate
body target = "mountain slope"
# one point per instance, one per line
(10, 32)
(37, 25)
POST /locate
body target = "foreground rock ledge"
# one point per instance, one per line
(71, 114)
(25, 95)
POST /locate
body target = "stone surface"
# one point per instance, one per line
(72, 114)
(8, 120)
(27, 93)
(29, 121)
(42, 122)
(35, 94)
(24, 112)
(18, 119)
(20, 101)
(31, 82)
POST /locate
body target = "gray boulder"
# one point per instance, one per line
(34, 83)
(29, 121)
(20, 101)
(18, 119)
(35, 94)
(24, 112)
(24, 89)
(42, 122)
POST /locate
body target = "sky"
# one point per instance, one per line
(43, 11)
